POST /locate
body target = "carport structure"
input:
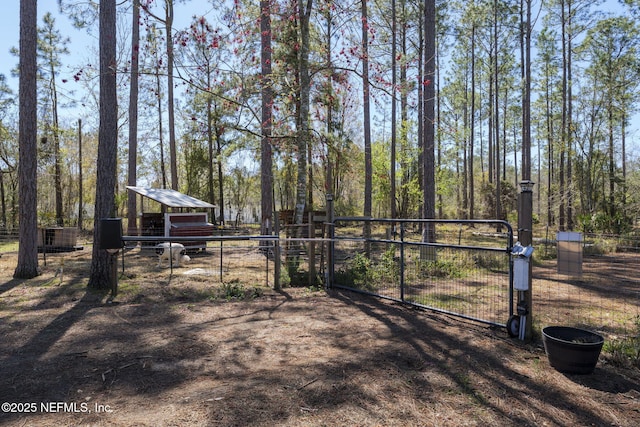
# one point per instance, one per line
(180, 215)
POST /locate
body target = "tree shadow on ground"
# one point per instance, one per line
(87, 346)
(338, 358)
(464, 364)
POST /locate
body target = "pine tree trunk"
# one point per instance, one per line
(428, 147)
(266, 151)
(132, 227)
(101, 275)
(368, 167)
(472, 124)
(173, 152)
(28, 99)
(303, 136)
(394, 130)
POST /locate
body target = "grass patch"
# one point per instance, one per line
(440, 301)
(625, 351)
(9, 246)
(128, 287)
(442, 268)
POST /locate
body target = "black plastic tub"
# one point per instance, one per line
(572, 350)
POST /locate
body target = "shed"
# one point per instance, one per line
(188, 216)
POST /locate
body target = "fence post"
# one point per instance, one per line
(402, 261)
(330, 245)
(525, 235)
(276, 254)
(312, 250)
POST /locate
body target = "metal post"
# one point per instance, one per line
(402, 261)
(114, 273)
(221, 260)
(276, 253)
(330, 246)
(525, 235)
(312, 250)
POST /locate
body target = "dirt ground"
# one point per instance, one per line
(174, 354)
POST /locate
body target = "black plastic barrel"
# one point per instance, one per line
(572, 350)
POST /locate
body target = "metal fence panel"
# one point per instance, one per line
(604, 293)
(466, 271)
(247, 259)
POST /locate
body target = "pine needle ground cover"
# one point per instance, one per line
(179, 350)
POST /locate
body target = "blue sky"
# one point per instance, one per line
(80, 41)
(10, 32)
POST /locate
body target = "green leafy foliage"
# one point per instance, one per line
(603, 222)
(235, 290)
(356, 273)
(508, 199)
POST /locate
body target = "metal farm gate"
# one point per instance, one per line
(464, 268)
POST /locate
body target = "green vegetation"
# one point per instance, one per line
(194, 291)
(356, 273)
(234, 290)
(444, 301)
(625, 351)
(363, 273)
(9, 246)
(442, 268)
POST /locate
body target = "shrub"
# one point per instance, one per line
(234, 290)
(356, 273)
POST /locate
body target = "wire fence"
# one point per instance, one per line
(466, 272)
(247, 259)
(464, 269)
(592, 282)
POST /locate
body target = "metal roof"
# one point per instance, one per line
(170, 198)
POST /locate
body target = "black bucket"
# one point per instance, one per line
(572, 350)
